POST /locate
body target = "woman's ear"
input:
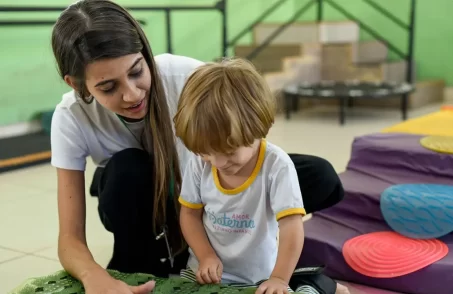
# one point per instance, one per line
(71, 82)
(81, 93)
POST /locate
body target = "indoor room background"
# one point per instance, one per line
(30, 84)
(375, 149)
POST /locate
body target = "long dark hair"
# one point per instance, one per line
(91, 30)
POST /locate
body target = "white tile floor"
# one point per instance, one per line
(28, 206)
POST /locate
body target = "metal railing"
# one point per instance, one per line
(17, 23)
(320, 9)
(280, 29)
(220, 6)
(257, 21)
(410, 28)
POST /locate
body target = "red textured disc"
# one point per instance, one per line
(389, 254)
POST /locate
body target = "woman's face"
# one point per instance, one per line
(121, 84)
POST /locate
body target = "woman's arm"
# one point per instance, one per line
(195, 234)
(73, 251)
(291, 241)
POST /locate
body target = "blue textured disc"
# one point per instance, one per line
(419, 211)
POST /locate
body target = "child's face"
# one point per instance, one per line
(230, 164)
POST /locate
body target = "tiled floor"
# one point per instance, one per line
(28, 206)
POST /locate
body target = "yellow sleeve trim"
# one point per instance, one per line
(290, 211)
(190, 205)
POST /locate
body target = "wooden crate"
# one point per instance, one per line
(270, 59)
(338, 32)
(369, 52)
(337, 65)
(325, 32)
(296, 33)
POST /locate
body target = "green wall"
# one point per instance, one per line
(433, 37)
(29, 82)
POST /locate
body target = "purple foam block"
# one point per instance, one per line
(398, 153)
(368, 175)
(378, 161)
(324, 239)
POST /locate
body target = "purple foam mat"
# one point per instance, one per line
(378, 161)
(363, 190)
(324, 239)
(396, 154)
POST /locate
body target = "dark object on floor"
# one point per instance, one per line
(312, 276)
(94, 187)
(346, 92)
(24, 151)
(46, 121)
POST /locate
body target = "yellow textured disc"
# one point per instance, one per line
(441, 144)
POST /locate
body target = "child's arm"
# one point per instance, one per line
(290, 246)
(210, 267)
(287, 205)
(194, 233)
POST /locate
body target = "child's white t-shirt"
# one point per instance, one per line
(80, 130)
(241, 223)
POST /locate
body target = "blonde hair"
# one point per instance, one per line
(224, 106)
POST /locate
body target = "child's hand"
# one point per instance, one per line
(273, 286)
(210, 271)
(342, 289)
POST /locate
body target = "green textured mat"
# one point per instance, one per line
(62, 283)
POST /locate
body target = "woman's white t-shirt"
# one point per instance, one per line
(80, 130)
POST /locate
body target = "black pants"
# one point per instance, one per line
(125, 190)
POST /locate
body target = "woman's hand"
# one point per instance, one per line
(210, 271)
(273, 286)
(100, 282)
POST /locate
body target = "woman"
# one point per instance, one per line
(119, 113)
